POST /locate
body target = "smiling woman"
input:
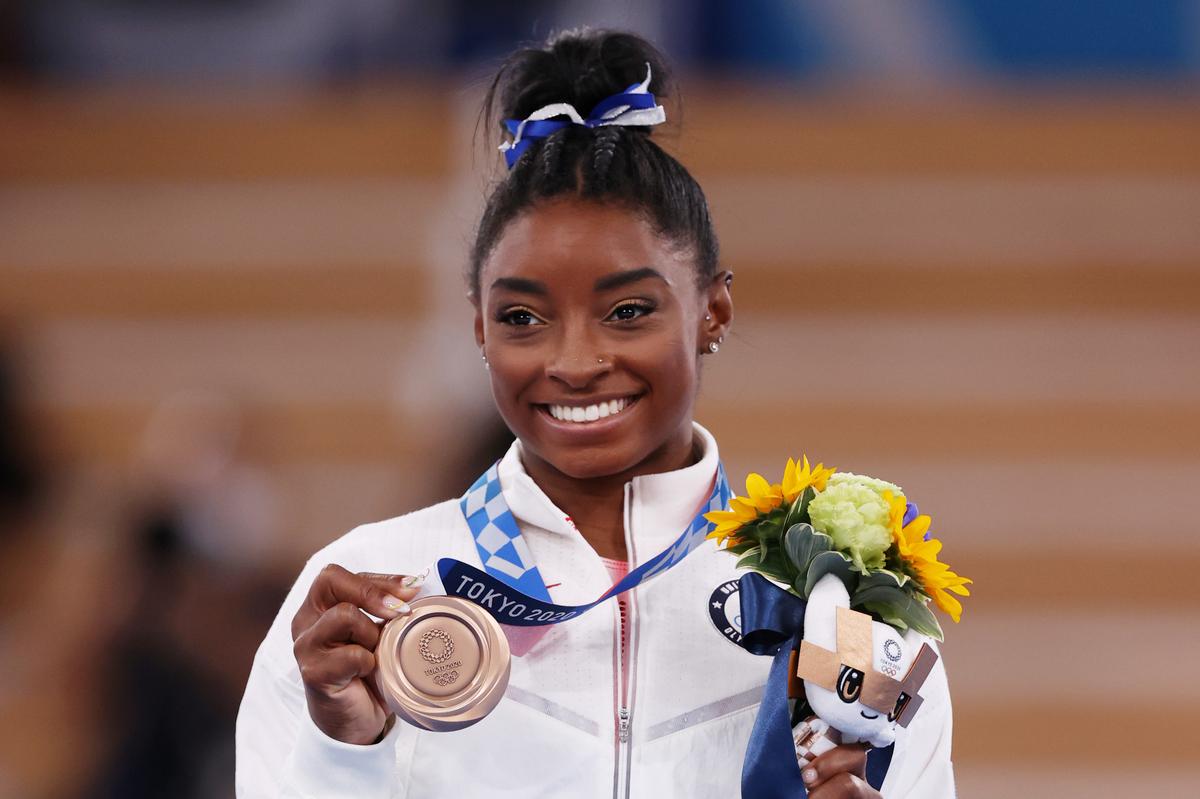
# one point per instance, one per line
(593, 327)
(597, 295)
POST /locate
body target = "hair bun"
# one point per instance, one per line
(581, 67)
(605, 161)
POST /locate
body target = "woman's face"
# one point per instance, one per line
(592, 325)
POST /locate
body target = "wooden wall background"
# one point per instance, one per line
(991, 299)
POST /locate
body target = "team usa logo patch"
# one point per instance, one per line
(725, 610)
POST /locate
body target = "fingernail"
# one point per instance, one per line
(396, 604)
(809, 775)
(413, 580)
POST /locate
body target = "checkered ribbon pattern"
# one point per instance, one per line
(512, 588)
(502, 550)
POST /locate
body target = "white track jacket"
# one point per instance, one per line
(563, 728)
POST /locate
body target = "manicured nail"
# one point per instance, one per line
(413, 580)
(396, 604)
(809, 775)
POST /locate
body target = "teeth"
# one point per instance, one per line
(589, 413)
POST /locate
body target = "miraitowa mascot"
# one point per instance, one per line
(861, 677)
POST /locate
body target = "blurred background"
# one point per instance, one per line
(232, 326)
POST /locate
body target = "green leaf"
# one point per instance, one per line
(886, 615)
(882, 577)
(895, 605)
(797, 512)
(879, 593)
(802, 543)
(741, 547)
(776, 565)
(775, 574)
(831, 562)
(769, 531)
(750, 559)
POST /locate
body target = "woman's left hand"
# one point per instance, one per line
(840, 773)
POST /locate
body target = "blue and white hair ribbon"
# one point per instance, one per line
(634, 106)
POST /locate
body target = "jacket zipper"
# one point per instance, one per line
(625, 683)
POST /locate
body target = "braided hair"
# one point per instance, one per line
(614, 164)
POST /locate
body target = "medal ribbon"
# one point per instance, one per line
(513, 591)
(511, 587)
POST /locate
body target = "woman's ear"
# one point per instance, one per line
(478, 324)
(718, 309)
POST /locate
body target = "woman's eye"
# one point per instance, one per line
(628, 311)
(518, 317)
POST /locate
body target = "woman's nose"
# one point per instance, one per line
(578, 362)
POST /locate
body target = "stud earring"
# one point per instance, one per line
(483, 357)
(713, 347)
(707, 318)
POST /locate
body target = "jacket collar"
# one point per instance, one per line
(662, 504)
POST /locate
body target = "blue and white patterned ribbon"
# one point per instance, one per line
(634, 106)
(511, 587)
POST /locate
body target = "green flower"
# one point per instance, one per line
(854, 514)
(873, 483)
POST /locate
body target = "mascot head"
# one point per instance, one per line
(860, 676)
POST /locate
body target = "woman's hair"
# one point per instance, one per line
(611, 164)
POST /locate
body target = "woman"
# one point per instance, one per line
(597, 293)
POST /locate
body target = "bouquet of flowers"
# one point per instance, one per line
(819, 521)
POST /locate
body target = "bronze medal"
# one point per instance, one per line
(444, 666)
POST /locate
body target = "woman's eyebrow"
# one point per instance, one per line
(618, 279)
(521, 284)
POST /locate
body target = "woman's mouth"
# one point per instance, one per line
(583, 414)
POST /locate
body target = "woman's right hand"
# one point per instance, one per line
(334, 645)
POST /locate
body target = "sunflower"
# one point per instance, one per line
(797, 477)
(919, 558)
(761, 498)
